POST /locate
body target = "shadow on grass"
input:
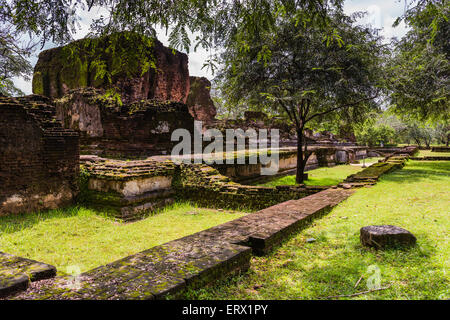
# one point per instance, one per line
(416, 171)
(18, 222)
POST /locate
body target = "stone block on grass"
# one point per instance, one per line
(385, 236)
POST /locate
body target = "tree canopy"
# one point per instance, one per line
(215, 23)
(306, 71)
(418, 73)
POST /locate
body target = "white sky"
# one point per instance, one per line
(382, 15)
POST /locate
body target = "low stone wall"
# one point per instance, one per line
(431, 158)
(39, 160)
(387, 152)
(320, 156)
(189, 263)
(440, 149)
(371, 174)
(205, 186)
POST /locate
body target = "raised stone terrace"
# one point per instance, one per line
(132, 189)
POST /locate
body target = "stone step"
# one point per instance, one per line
(17, 272)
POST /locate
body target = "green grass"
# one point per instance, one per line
(429, 153)
(322, 176)
(83, 238)
(416, 198)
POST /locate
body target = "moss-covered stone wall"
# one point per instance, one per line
(206, 187)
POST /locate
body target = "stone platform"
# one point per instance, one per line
(127, 189)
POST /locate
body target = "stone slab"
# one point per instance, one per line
(386, 236)
(161, 271)
(16, 273)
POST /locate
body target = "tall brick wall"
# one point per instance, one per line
(39, 160)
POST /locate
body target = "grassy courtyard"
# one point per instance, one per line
(416, 198)
(85, 238)
(323, 176)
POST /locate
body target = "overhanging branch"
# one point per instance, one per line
(341, 107)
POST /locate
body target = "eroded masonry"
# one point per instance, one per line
(73, 140)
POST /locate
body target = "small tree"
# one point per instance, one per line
(306, 72)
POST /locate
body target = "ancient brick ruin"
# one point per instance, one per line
(41, 138)
(39, 159)
(56, 72)
(133, 130)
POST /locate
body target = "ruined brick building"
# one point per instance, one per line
(153, 104)
(39, 159)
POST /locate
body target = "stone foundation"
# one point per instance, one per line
(128, 190)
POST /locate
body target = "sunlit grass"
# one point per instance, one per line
(84, 238)
(429, 153)
(416, 198)
(323, 176)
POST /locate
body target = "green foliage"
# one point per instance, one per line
(292, 62)
(373, 134)
(417, 75)
(389, 128)
(214, 23)
(13, 58)
(419, 133)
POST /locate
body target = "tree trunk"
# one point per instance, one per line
(301, 157)
(417, 141)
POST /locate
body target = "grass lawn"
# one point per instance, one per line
(416, 198)
(429, 153)
(81, 237)
(322, 176)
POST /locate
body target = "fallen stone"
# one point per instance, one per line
(310, 240)
(386, 236)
